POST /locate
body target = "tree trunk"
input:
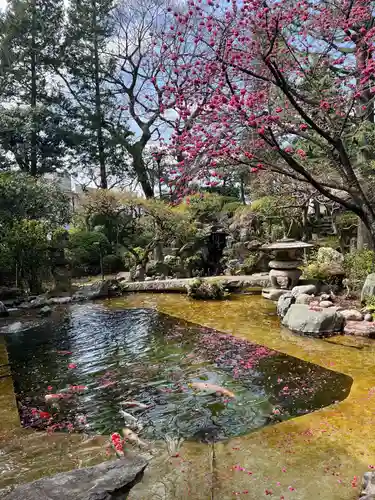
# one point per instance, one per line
(98, 103)
(140, 170)
(242, 190)
(33, 97)
(364, 237)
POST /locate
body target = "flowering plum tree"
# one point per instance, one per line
(292, 91)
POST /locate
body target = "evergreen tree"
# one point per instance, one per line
(29, 48)
(101, 132)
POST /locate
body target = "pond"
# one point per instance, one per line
(81, 370)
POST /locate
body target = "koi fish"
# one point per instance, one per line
(49, 397)
(134, 404)
(64, 353)
(133, 438)
(128, 417)
(204, 386)
(78, 388)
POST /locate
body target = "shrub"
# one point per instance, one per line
(231, 207)
(84, 249)
(358, 265)
(201, 289)
(316, 271)
(248, 265)
(370, 303)
(112, 264)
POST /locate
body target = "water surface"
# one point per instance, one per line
(97, 358)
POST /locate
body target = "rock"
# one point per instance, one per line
(360, 328)
(368, 289)
(60, 300)
(149, 278)
(351, 315)
(3, 311)
(304, 298)
(273, 293)
(309, 289)
(139, 273)
(327, 255)
(368, 486)
(171, 259)
(123, 276)
(325, 296)
(106, 481)
(368, 317)
(45, 311)
(39, 301)
(283, 304)
(325, 303)
(98, 290)
(301, 318)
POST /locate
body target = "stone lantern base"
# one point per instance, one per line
(284, 269)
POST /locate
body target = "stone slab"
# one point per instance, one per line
(259, 280)
(106, 481)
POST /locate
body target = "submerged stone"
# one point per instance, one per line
(368, 486)
(360, 328)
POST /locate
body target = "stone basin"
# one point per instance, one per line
(321, 455)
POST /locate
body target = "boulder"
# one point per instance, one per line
(60, 300)
(325, 296)
(283, 304)
(123, 276)
(368, 289)
(351, 315)
(45, 311)
(325, 303)
(327, 255)
(39, 301)
(360, 328)
(97, 290)
(309, 289)
(368, 317)
(368, 486)
(304, 319)
(304, 298)
(106, 481)
(3, 311)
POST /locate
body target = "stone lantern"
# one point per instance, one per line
(285, 272)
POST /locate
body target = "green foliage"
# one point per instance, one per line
(112, 264)
(325, 265)
(23, 197)
(346, 220)
(329, 241)
(200, 289)
(203, 207)
(370, 303)
(231, 207)
(358, 265)
(249, 263)
(84, 249)
(28, 247)
(316, 271)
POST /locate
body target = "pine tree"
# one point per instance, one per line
(100, 130)
(29, 48)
